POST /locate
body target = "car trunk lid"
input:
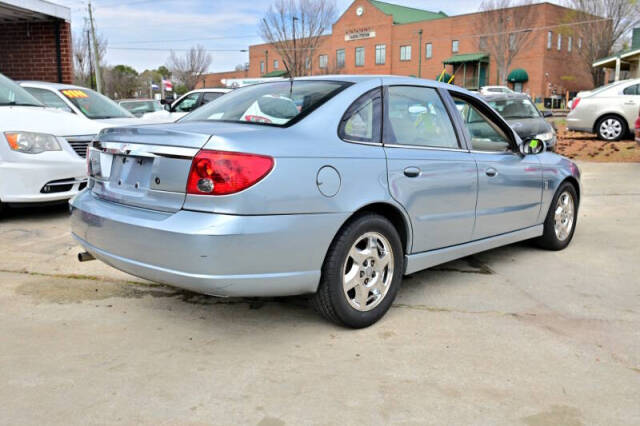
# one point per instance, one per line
(144, 166)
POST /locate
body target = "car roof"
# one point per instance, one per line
(48, 84)
(505, 96)
(136, 100)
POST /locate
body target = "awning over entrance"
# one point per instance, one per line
(518, 75)
(277, 73)
(470, 70)
(466, 57)
(444, 78)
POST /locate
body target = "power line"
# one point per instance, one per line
(151, 49)
(185, 39)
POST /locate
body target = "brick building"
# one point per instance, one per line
(374, 37)
(35, 41)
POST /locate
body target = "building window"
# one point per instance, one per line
(381, 54)
(323, 61)
(580, 43)
(405, 53)
(359, 56)
(454, 46)
(340, 58)
(559, 41)
(512, 42)
(549, 39)
(569, 43)
(275, 64)
(483, 43)
(428, 51)
(307, 63)
(261, 67)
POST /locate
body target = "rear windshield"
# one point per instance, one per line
(94, 105)
(277, 104)
(515, 108)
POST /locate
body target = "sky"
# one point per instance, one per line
(141, 33)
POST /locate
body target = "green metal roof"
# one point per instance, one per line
(466, 57)
(406, 15)
(277, 73)
(518, 75)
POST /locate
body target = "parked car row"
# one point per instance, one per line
(46, 128)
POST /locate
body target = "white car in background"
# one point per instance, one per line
(192, 100)
(609, 111)
(79, 100)
(42, 149)
(150, 110)
(494, 90)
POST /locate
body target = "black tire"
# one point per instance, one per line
(549, 239)
(331, 300)
(623, 126)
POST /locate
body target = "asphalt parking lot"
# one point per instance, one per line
(512, 336)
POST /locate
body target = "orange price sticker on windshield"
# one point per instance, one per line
(71, 94)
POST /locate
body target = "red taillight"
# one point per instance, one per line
(575, 103)
(638, 122)
(222, 172)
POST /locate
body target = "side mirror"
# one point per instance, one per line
(546, 113)
(533, 146)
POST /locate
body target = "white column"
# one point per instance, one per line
(617, 76)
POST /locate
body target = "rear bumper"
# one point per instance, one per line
(221, 255)
(577, 124)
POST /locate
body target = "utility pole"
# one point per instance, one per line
(295, 52)
(420, 55)
(90, 60)
(95, 48)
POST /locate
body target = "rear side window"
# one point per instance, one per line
(362, 121)
(417, 116)
(210, 96)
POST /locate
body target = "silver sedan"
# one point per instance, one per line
(334, 186)
(609, 111)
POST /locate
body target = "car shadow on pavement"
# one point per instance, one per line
(35, 213)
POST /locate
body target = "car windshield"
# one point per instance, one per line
(12, 94)
(275, 104)
(141, 107)
(93, 104)
(515, 108)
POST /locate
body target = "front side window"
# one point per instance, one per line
(210, 96)
(323, 61)
(49, 98)
(381, 54)
(428, 51)
(278, 103)
(455, 44)
(361, 122)
(485, 134)
(405, 53)
(94, 105)
(188, 103)
(416, 116)
(359, 56)
(340, 58)
(549, 39)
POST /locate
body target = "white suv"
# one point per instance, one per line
(42, 149)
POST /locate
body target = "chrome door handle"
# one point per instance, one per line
(491, 172)
(412, 172)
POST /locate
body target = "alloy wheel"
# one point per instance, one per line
(564, 216)
(368, 271)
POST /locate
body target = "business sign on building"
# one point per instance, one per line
(359, 34)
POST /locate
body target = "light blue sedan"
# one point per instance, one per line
(335, 186)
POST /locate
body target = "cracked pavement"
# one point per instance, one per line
(515, 335)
